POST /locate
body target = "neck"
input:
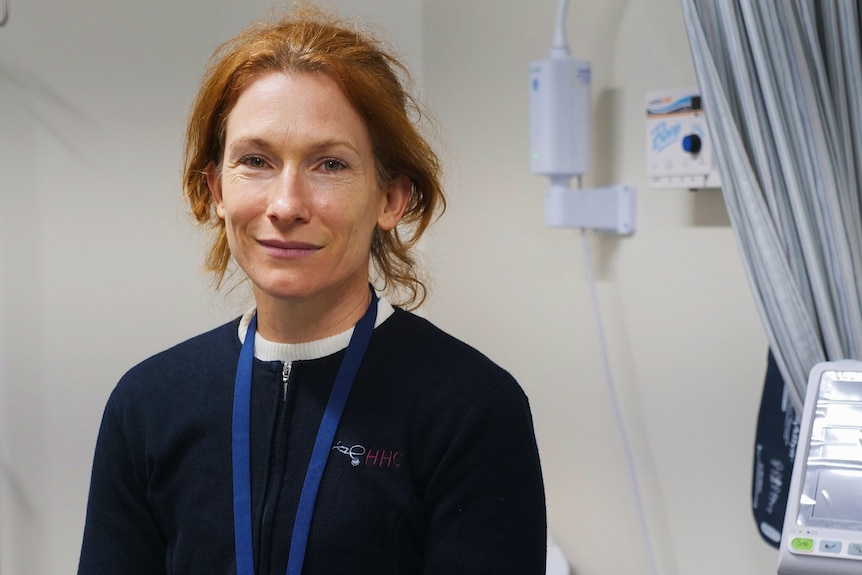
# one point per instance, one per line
(291, 321)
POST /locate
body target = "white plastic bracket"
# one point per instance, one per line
(610, 209)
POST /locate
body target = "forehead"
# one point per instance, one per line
(296, 107)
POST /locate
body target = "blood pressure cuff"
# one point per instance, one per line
(774, 449)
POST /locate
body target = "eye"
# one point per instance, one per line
(253, 161)
(333, 165)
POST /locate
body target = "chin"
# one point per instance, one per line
(304, 286)
(287, 293)
(294, 290)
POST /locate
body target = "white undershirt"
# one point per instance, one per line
(266, 350)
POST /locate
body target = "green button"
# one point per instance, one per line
(802, 544)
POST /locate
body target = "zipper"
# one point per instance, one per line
(274, 473)
(285, 378)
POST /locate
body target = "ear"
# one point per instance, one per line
(214, 184)
(398, 193)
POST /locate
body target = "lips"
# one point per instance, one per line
(288, 249)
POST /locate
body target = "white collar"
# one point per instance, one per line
(266, 350)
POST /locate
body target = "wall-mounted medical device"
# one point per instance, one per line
(560, 115)
(561, 143)
(822, 532)
(678, 145)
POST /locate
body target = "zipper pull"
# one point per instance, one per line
(285, 378)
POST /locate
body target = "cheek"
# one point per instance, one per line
(239, 206)
(360, 222)
(341, 212)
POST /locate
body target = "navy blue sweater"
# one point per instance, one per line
(434, 469)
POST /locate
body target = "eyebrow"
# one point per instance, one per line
(315, 146)
(334, 143)
(249, 141)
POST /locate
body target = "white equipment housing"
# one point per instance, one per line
(822, 531)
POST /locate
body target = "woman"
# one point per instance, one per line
(325, 431)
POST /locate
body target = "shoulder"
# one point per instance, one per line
(420, 339)
(175, 400)
(412, 345)
(202, 358)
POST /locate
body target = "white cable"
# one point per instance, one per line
(615, 405)
(560, 47)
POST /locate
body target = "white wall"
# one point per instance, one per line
(99, 265)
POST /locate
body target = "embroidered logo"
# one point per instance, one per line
(354, 452)
(384, 458)
(380, 458)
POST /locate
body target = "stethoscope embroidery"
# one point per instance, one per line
(354, 452)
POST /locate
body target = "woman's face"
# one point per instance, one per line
(298, 191)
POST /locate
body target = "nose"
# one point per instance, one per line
(288, 201)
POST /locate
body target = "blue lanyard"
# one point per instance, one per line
(322, 446)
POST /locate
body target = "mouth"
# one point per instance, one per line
(282, 249)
